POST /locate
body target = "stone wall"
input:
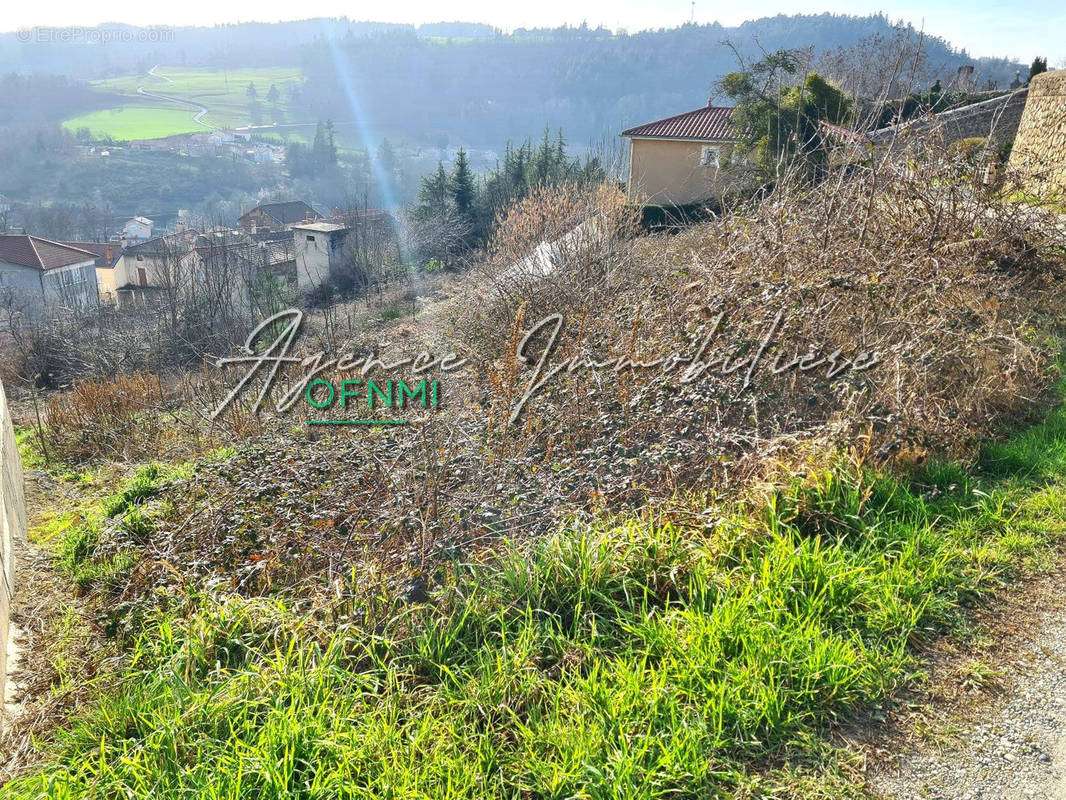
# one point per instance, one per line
(997, 119)
(1039, 153)
(12, 525)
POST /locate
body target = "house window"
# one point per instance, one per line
(140, 258)
(709, 157)
(310, 238)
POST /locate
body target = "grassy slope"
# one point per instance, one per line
(702, 654)
(136, 122)
(222, 91)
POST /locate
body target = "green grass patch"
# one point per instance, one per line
(29, 446)
(129, 516)
(630, 658)
(136, 121)
(222, 92)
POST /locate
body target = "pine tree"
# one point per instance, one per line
(562, 167)
(273, 95)
(318, 145)
(387, 157)
(1038, 66)
(462, 186)
(542, 161)
(331, 144)
(252, 93)
(434, 194)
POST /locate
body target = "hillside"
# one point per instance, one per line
(479, 89)
(625, 582)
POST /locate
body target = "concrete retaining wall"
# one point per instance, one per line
(12, 525)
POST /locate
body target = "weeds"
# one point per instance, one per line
(99, 547)
(635, 658)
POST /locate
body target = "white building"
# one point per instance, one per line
(318, 248)
(137, 230)
(37, 274)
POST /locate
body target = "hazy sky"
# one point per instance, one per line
(1020, 29)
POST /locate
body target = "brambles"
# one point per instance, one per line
(117, 419)
(955, 292)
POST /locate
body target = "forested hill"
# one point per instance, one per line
(474, 83)
(588, 82)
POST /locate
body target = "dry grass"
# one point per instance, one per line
(956, 292)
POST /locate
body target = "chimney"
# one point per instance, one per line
(109, 253)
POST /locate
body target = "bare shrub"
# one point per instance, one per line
(116, 419)
(560, 249)
(955, 290)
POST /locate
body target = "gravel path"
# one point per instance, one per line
(1006, 747)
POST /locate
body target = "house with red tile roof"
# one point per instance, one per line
(38, 274)
(676, 160)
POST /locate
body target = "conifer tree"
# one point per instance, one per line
(434, 194)
(1038, 66)
(462, 186)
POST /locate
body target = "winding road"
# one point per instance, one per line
(198, 117)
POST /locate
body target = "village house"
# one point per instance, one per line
(320, 248)
(213, 263)
(146, 269)
(277, 216)
(276, 254)
(676, 161)
(38, 274)
(107, 254)
(137, 230)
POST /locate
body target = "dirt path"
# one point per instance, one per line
(1006, 742)
(198, 117)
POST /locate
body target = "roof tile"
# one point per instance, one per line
(42, 254)
(711, 123)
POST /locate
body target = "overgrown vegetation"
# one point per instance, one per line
(458, 211)
(780, 111)
(699, 650)
(632, 585)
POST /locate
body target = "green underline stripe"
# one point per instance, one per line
(356, 422)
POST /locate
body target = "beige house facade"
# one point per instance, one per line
(679, 160)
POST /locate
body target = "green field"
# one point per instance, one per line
(135, 122)
(222, 92)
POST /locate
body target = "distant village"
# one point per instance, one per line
(677, 162)
(289, 242)
(241, 143)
